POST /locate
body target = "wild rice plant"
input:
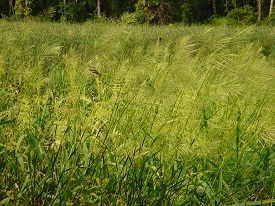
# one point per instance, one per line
(109, 114)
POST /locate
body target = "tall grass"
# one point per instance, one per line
(136, 115)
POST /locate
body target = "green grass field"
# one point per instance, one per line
(113, 114)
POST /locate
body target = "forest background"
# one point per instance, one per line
(143, 11)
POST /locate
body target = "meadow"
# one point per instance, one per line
(115, 114)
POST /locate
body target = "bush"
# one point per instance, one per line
(270, 20)
(217, 20)
(72, 11)
(144, 14)
(158, 12)
(245, 15)
(128, 18)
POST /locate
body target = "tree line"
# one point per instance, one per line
(142, 11)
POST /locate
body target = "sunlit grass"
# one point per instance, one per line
(127, 115)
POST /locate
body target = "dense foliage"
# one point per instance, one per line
(144, 11)
(107, 114)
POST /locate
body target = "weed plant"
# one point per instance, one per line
(99, 114)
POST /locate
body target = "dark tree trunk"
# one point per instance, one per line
(98, 9)
(64, 1)
(214, 7)
(271, 7)
(11, 10)
(259, 10)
